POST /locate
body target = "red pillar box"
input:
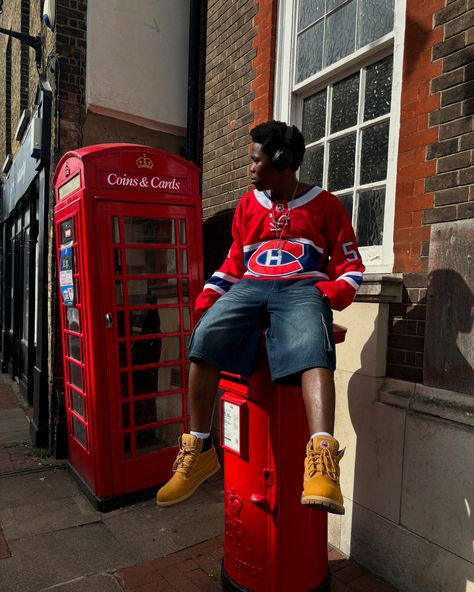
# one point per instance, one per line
(272, 542)
(128, 234)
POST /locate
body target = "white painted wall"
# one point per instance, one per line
(137, 61)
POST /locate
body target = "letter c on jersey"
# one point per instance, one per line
(274, 258)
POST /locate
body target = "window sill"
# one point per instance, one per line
(380, 287)
(428, 400)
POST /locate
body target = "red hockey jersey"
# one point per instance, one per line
(309, 237)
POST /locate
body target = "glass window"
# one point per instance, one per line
(148, 230)
(329, 31)
(158, 438)
(349, 155)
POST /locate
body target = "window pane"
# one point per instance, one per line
(79, 430)
(151, 261)
(76, 402)
(157, 409)
(74, 347)
(119, 293)
(165, 378)
(370, 219)
(125, 415)
(115, 229)
(184, 261)
(310, 11)
(345, 103)
(153, 320)
(314, 117)
(310, 52)
(126, 446)
(347, 202)
(312, 168)
(72, 318)
(158, 438)
(149, 230)
(182, 232)
(151, 351)
(375, 20)
(121, 323)
(378, 89)
(373, 165)
(341, 163)
(332, 4)
(152, 291)
(75, 375)
(340, 40)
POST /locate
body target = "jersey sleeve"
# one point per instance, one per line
(344, 267)
(229, 273)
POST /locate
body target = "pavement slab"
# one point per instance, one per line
(95, 583)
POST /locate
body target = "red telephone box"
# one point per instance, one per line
(128, 231)
(272, 543)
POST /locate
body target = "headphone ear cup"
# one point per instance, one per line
(282, 159)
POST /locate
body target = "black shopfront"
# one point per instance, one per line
(24, 266)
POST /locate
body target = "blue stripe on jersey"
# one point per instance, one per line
(219, 283)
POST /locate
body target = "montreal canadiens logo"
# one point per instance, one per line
(277, 258)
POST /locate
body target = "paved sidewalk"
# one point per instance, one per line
(53, 540)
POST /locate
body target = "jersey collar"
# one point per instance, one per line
(300, 200)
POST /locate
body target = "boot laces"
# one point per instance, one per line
(185, 459)
(322, 461)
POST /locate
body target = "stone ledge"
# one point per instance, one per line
(379, 287)
(417, 397)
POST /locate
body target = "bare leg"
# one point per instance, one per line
(319, 399)
(203, 385)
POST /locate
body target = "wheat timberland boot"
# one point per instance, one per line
(191, 468)
(321, 487)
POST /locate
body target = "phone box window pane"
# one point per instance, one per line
(341, 163)
(314, 117)
(75, 375)
(146, 351)
(184, 261)
(115, 230)
(118, 261)
(125, 415)
(153, 380)
(122, 354)
(186, 319)
(310, 52)
(151, 261)
(345, 103)
(80, 431)
(149, 230)
(158, 438)
(154, 291)
(378, 89)
(340, 40)
(371, 214)
(374, 155)
(74, 344)
(375, 20)
(182, 232)
(72, 318)
(185, 290)
(121, 323)
(124, 384)
(157, 409)
(154, 320)
(77, 402)
(309, 11)
(119, 293)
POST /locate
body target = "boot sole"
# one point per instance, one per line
(322, 503)
(212, 477)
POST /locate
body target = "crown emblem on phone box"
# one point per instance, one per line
(143, 162)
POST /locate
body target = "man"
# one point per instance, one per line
(294, 257)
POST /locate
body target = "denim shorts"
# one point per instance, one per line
(296, 322)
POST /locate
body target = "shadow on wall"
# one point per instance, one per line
(449, 348)
(412, 486)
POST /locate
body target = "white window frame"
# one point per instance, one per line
(289, 99)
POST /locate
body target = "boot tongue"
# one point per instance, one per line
(325, 442)
(189, 441)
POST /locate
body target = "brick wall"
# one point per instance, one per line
(71, 19)
(435, 162)
(227, 113)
